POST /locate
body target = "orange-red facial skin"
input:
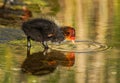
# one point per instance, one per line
(69, 33)
(71, 36)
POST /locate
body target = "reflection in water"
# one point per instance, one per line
(94, 22)
(40, 64)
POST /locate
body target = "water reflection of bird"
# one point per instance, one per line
(43, 30)
(38, 64)
(27, 14)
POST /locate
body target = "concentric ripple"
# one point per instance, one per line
(80, 46)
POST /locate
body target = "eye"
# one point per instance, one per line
(67, 33)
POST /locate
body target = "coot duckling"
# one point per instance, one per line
(43, 30)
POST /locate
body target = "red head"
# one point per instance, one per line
(69, 33)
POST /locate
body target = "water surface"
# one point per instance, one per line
(97, 27)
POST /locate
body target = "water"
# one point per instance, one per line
(80, 46)
(93, 59)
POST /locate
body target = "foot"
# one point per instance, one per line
(45, 51)
(45, 45)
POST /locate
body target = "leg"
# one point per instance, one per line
(28, 46)
(28, 51)
(28, 42)
(44, 43)
(45, 51)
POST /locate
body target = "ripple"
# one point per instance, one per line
(80, 46)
